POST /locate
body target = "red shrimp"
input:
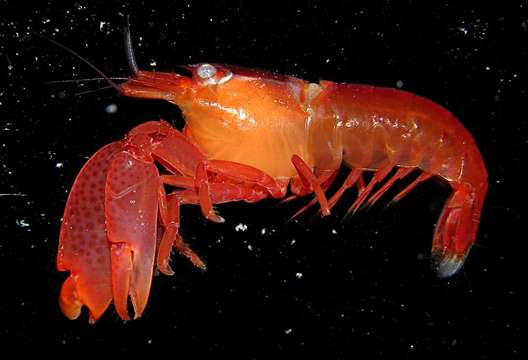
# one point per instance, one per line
(251, 135)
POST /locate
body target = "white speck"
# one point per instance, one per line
(263, 231)
(22, 223)
(9, 67)
(399, 84)
(292, 242)
(327, 61)
(59, 165)
(153, 63)
(288, 331)
(299, 275)
(334, 231)
(149, 341)
(488, 68)
(101, 24)
(463, 29)
(250, 248)
(241, 227)
(111, 109)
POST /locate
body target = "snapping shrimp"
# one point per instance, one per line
(252, 135)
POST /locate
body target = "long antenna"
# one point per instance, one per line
(129, 49)
(92, 66)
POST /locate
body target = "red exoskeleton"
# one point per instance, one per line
(251, 135)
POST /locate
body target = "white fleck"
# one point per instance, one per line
(250, 248)
(327, 61)
(22, 223)
(101, 24)
(111, 109)
(299, 275)
(241, 227)
(463, 29)
(59, 165)
(288, 331)
(399, 84)
(153, 63)
(263, 231)
(334, 231)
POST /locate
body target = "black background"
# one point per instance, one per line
(362, 288)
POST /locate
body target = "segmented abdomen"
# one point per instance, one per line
(372, 127)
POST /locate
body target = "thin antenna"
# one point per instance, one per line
(92, 66)
(83, 80)
(129, 49)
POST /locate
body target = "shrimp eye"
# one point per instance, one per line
(206, 71)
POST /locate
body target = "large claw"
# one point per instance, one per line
(83, 247)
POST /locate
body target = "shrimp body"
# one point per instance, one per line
(378, 129)
(251, 135)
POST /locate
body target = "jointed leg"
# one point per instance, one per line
(310, 180)
(245, 174)
(170, 218)
(377, 178)
(422, 177)
(400, 174)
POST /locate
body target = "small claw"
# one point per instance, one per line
(447, 265)
(131, 217)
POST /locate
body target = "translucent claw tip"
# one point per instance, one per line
(447, 265)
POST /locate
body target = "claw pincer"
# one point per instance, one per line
(251, 135)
